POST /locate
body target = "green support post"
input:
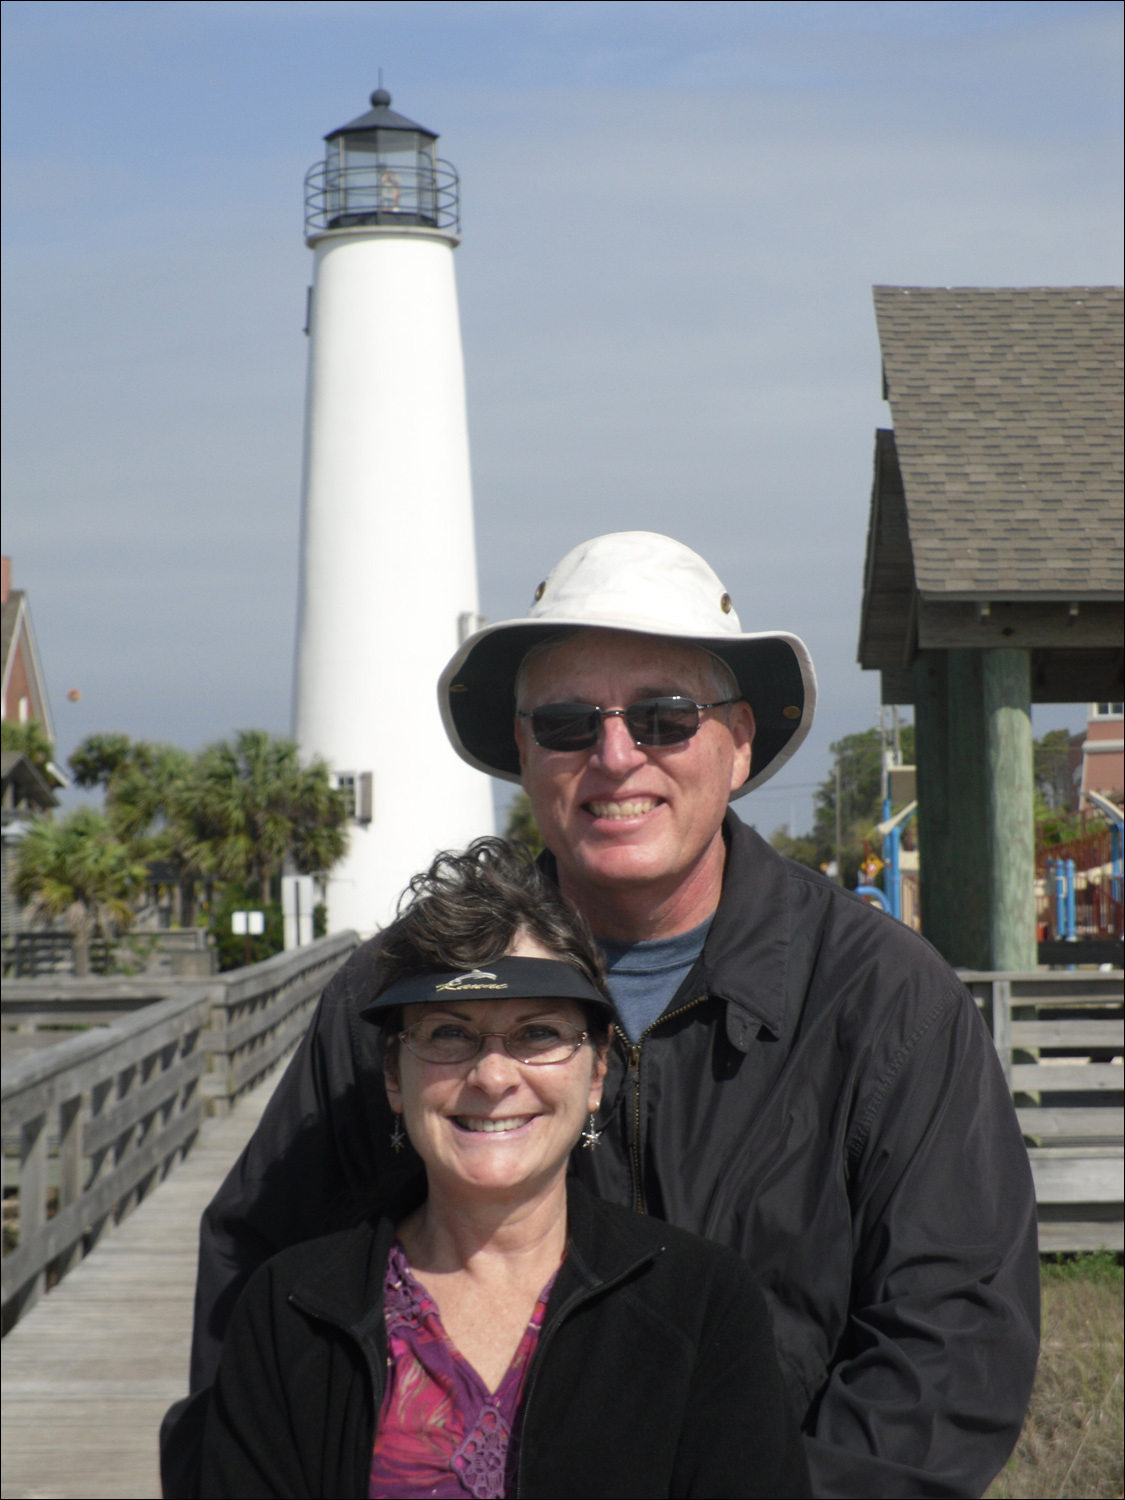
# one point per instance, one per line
(931, 754)
(976, 818)
(968, 812)
(1006, 684)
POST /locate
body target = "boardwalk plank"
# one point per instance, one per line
(88, 1374)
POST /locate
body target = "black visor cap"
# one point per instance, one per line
(503, 979)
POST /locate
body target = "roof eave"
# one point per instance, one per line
(1009, 595)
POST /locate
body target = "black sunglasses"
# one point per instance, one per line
(651, 722)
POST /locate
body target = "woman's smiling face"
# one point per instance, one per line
(495, 1125)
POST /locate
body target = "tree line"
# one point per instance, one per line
(220, 825)
(858, 772)
(858, 758)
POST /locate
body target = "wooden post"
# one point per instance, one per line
(33, 1199)
(931, 751)
(70, 1171)
(976, 833)
(968, 812)
(1006, 684)
(101, 1098)
(1001, 1019)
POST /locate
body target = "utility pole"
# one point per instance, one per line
(839, 868)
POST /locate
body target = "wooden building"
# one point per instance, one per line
(26, 793)
(993, 577)
(29, 790)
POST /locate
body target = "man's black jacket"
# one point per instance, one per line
(654, 1373)
(822, 1096)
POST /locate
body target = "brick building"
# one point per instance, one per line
(1102, 768)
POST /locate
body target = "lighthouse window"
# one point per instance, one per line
(358, 790)
(345, 782)
(380, 176)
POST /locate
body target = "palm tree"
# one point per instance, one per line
(237, 812)
(141, 794)
(148, 800)
(77, 868)
(98, 759)
(319, 813)
(254, 806)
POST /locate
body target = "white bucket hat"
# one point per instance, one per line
(647, 583)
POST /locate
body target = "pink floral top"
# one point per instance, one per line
(441, 1432)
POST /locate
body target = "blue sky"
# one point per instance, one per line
(673, 216)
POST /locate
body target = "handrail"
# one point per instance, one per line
(125, 1101)
(262, 1013)
(37, 1082)
(873, 893)
(350, 197)
(1109, 810)
(1057, 1035)
(882, 829)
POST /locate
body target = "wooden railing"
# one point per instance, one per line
(109, 1111)
(262, 1013)
(1060, 1037)
(93, 1123)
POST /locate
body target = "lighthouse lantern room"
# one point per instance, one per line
(388, 582)
(381, 169)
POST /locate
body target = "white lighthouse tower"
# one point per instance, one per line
(388, 562)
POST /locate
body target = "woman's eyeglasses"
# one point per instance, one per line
(651, 722)
(437, 1039)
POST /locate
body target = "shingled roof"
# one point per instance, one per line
(1007, 407)
(996, 505)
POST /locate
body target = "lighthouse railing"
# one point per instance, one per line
(352, 197)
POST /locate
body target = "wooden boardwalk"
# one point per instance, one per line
(89, 1372)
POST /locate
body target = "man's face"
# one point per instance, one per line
(622, 815)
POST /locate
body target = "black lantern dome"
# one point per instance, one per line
(381, 169)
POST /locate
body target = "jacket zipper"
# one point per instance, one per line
(634, 1052)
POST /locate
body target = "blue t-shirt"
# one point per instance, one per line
(643, 977)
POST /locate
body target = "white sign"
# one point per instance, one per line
(248, 923)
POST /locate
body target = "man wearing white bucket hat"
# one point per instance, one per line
(800, 1077)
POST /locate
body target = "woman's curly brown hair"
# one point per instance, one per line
(467, 908)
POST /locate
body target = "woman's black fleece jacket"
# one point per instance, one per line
(655, 1372)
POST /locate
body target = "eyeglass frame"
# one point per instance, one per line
(622, 713)
(483, 1036)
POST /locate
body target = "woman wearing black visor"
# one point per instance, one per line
(495, 1330)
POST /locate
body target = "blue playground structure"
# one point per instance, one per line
(891, 829)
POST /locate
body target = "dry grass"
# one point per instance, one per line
(1071, 1443)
